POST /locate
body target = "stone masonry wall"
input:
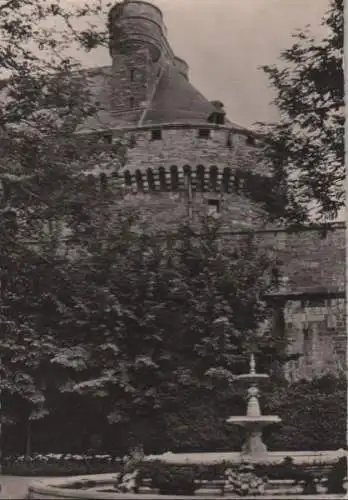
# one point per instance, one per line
(316, 329)
(181, 145)
(161, 210)
(132, 80)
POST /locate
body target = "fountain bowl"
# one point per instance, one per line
(252, 378)
(254, 422)
(102, 489)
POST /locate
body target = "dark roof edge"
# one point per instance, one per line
(178, 125)
(305, 295)
(300, 229)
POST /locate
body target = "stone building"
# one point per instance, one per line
(185, 158)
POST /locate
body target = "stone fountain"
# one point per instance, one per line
(253, 422)
(101, 486)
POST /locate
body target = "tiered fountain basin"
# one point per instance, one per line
(100, 486)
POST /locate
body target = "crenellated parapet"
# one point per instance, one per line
(205, 179)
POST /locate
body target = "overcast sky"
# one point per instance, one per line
(224, 42)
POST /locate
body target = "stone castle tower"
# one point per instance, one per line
(186, 159)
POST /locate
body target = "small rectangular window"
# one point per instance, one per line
(250, 140)
(156, 134)
(214, 207)
(132, 75)
(106, 138)
(204, 133)
(220, 118)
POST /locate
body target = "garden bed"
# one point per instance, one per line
(59, 465)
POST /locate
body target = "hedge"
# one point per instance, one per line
(53, 464)
(313, 417)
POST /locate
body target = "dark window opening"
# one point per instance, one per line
(103, 180)
(204, 133)
(217, 117)
(139, 180)
(162, 179)
(127, 178)
(151, 180)
(200, 180)
(106, 138)
(307, 344)
(226, 180)
(132, 141)
(132, 75)
(237, 184)
(174, 178)
(250, 141)
(230, 140)
(156, 134)
(213, 178)
(131, 101)
(214, 207)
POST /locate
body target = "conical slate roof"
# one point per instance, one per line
(175, 101)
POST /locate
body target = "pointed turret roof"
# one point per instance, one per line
(174, 101)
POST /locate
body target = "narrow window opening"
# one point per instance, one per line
(226, 180)
(204, 133)
(162, 179)
(131, 101)
(132, 141)
(214, 207)
(174, 178)
(103, 181)
(307, 344)
(230, 140)
(213, 179)
(237, 184)
(200, 178)
(156, 134)
(127, 178)
(132, 75)
(139, 180)
(151, 179)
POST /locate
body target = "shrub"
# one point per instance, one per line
(172, 479)
(336, 477)
(244, 481)
(313, 414)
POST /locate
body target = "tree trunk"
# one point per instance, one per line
(28, 439)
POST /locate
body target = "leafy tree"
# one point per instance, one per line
(44, 98)
(305, 149)
(148, 317)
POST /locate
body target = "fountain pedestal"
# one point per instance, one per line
(253, 421)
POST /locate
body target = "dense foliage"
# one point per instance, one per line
(44, 97)
(313, 418)
(313, 414)
(133, 325)
(305, 149)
